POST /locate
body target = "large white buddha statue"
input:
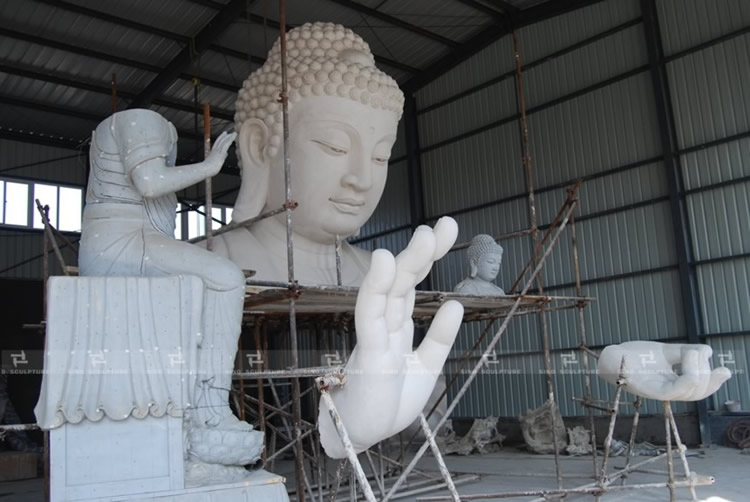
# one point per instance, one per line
(343, 116)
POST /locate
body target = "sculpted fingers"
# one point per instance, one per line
(446, 232)
(371, 308)
(434, 349)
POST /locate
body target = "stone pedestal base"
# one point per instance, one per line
(94, 460)
(261, 486)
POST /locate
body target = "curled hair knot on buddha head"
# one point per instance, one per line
(323, 59)
(480, 245)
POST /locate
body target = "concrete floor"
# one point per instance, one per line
(512, 470)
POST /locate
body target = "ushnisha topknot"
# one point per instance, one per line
(323, 59)
(481, 244)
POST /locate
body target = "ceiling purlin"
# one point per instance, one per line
(104, 56)
(22, 71)
(202, 41)
(490, 35)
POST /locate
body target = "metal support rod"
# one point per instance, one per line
(603, 480)
(439, 458)
(337, 252)
(49, 237)
(350, 453)
(261, 390)
(378, 480)
(465, 357)
(237, 224)
(681, 448)
(114, 92)
(284, 99)
(209, 185)
(584, 342)
(547, 494)
(490, 348)
(633, 432)
(670, 460)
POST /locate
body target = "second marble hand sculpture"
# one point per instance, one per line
(387, 382)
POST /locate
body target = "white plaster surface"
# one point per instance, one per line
(118, 347)
(106, 459)
(663, 371)
(387, 382)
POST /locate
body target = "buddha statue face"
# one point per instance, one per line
(488, 266)
(339, 151)
(485, 256)
(343, 116)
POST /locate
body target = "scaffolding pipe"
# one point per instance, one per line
(487, 352)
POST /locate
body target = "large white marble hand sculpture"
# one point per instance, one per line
(649, 370)
(388, 383)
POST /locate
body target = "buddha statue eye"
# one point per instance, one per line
(332, 149)
(381, 161)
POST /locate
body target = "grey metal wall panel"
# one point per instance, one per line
(399, 147)
(586, 66)
(606, 128)
(393, 208)
(716, 164)
(720, 221)
(547, 37)
(709, 92)
(468, 113)
(25, 250)
(645, 307)
(725, 295)
(687, 23)
(606, 193)
(732, 352)
(478, 169)
(394, 242)
(628, 241)
(47, 163)
(492, 62)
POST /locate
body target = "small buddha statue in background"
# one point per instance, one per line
(485, 256)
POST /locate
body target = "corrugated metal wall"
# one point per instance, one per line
(592, 115)
(711, 99)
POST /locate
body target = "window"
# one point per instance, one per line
(192, 223)
(19, 205)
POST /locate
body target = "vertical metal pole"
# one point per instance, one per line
(348, 447)
(670, 460)
(45, 276)
(584, 342)
(296, 405)
(613, 418)
(209, 185)
(633, 432)
(439, 458)
(681, 449)
(487, 351)
(413, 161)
(114, 92)
(678, 211)
(526, 161)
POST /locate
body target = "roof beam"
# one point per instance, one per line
(270, 23)
(350, 4)
(169, 35)
(21, 71)
(500, 17)
(105, 56)
(72, 112)
(201, 42)
(490, 35)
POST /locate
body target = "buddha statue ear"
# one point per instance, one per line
(255, 168)
(473, 269)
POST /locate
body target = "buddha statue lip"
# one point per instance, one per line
(347, 205)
